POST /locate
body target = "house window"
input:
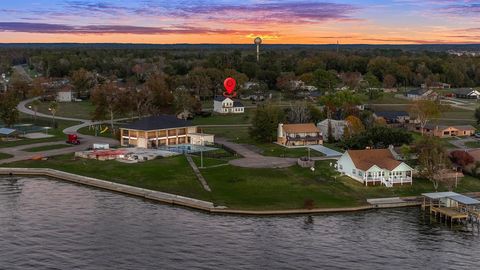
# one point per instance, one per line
(360, 173)
(354, 171)
(340, 167)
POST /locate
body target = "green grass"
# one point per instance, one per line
(274, 150)
(228, 119)
(80, 110)
(5, 155)
(475, 144)
(242, 188)
(172, 175)
(47, 148)
(389, 98)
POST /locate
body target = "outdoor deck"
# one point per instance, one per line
(448, 213)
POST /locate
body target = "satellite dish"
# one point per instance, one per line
(258, 41)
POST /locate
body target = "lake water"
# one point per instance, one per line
(50, 224)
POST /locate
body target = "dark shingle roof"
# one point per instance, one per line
(463, 91)
(220, 98)
(391, 115)
(237, 104)
(159, 122)
(416, 92)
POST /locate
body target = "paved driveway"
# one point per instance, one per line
(254, 160)
(325, 150)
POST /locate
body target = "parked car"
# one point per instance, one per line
(477, 135)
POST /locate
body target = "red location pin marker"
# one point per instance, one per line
(230, 84)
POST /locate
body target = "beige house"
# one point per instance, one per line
(299, 134)
(447, 131)
(156, 131)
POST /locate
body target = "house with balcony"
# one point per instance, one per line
(163, 130)
(299, 134)
(226, 105)
(375, 167)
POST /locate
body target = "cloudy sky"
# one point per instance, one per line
(238, 21)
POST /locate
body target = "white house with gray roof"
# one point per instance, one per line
(226, 105)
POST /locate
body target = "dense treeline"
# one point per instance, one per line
(322, 68)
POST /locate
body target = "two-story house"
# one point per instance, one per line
(227, 105)
(299, 134)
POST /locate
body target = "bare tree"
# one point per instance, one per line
(299, 113)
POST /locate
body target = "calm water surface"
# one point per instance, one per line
(49, 224)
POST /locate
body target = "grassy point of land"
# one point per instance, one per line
(242, 188)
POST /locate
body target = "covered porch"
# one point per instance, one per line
(376, 176)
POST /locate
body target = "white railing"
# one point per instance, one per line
(389, 181)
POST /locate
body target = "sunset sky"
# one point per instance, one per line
(233, 21)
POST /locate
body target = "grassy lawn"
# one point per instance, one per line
(172, 175)
(81, 110)
(242, 188)
(473, 144)
(228, 119)
(47, 147)
(5, 155)
(389, 98)
(42, 122)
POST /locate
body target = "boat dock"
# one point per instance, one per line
(452, 207)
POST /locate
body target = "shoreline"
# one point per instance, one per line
(176, 200)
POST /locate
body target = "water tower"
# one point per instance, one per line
(258, 41)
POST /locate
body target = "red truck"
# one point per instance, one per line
(73, 139)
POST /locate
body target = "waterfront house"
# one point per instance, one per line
(156, 131)
(443, 131)
(337, 128)
(299, 134)
(375, 167)
(225, 105)
(466, 93)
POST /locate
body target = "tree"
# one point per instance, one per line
(183, 101)
(20, 84)
(378, 137)
(432, 158)
(83, 81)
(389, 81)
(325, 80)
(8, 108)
(53, 108)
(265, 123)
(35, 104)
(107, 99)
(477, 115)
(354, 126)
(461, 158)
(298, 113)
(424, 111)
(286, 83)
(161, 95)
